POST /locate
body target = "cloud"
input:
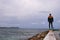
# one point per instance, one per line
(21, 12)
(35, 23)
(26, 8)
(42, 23)
(58, 21)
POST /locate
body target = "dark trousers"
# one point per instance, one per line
(50, 25)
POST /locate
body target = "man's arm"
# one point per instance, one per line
(52, 19)
(48, 19)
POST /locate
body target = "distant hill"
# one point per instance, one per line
(9, 27)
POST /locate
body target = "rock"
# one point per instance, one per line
(39, 36)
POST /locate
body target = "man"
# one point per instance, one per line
(50, 20)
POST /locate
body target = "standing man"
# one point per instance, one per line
(50, 20)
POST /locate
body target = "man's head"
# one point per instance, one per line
(50, 14)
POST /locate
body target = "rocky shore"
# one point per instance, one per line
(39, 36)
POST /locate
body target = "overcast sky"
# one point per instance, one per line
(29, 13)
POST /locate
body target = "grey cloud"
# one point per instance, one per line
(24, 12)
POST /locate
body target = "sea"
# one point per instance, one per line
(18, 34)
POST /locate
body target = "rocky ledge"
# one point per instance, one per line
(39, 36)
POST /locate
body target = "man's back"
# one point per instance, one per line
(50, 18)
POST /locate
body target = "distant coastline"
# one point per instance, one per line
(26, 28)
(9, 27)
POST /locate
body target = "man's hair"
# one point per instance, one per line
(50, 14)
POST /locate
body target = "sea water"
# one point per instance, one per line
(18, 34)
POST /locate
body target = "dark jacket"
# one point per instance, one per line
(50, 19)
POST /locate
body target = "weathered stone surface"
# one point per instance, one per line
(57, 35)
(50, 36)
(47, 35)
